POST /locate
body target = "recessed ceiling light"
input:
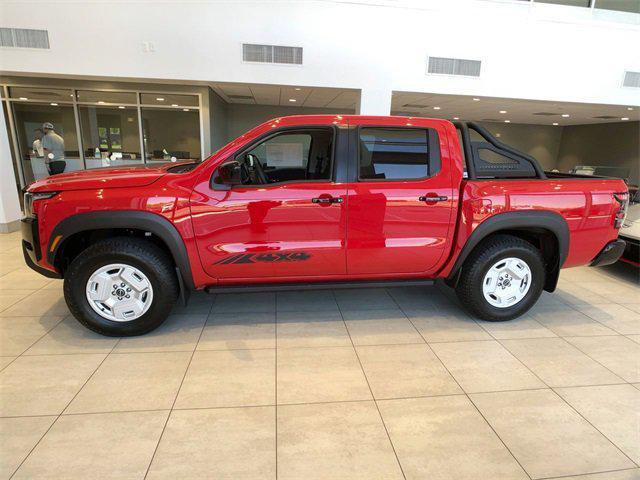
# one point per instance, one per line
(24, 98)
(292, 100)
(503, 111)
(565, 115)
(185, 109)
(160, 99)
(174, 104)
(507, 121)
(298, 89)
(624, 118)
(629, 108)
(121, 107)
(476, 99)
(436, 108)
(53, 104)
(456, 118)
(555, 123)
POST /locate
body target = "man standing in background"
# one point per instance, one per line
(37, 143)
(53, 146)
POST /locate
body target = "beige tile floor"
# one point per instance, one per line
(379, 383)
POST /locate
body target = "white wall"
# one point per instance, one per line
(9, 200)
(529, 50)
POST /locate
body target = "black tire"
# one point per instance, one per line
(139, 253)
(483, 257)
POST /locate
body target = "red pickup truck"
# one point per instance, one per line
(320, 202)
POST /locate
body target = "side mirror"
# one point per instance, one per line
(228, 174)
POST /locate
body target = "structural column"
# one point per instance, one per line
(374, 101)
(9, 196)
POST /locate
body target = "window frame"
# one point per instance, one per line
(433, 143)
(271, 134)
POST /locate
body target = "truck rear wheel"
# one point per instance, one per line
(121, 287)
(502, 278)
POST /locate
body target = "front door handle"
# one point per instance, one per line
(438, 198)
(327, 200)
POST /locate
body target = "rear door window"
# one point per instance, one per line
(398, 153)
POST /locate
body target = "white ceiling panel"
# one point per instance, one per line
(508, 109)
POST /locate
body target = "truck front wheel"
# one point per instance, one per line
(502, 278)
(121, 286)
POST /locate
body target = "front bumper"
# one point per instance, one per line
(609, 254)
(31, 247)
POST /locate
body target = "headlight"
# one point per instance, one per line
(30, 197)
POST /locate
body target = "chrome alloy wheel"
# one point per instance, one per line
(507, 282)
(119, 292)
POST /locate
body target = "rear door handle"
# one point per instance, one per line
(440, 198)
(327, 200)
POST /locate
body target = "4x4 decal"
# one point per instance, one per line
(265, 257)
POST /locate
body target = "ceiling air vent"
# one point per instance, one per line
(631, 79)
(490, 120)
(414, 105)
(546, 114)
(24, 38)
(454, 66)
(271, 54)
(606, 117)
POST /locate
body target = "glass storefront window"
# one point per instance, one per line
(573, 3)
(95, 96)
(107, 128)
(50, 94)
(29, 119)
(169, 99)
(110, 135)
(171, 133)
(632, 6)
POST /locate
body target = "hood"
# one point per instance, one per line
(116, 177)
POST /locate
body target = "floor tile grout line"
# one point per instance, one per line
(472, 402)
(175, 399)
(369, 399)
(597, 361)
(266, 405)
(461, 393)
(585, 474)
(24, 352)
(553, 389)
(125, 352)
(364, 374)
(594, 427)
(276, 380)
(64, 317)
(36, 290)
(63, 410)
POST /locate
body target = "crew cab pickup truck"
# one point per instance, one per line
(324, 201)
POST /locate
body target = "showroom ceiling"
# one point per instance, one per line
(490, 109)
(254, 94)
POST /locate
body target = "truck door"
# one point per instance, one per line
(401, 204)
(286, 220)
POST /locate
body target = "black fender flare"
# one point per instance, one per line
(134, 219)
(533, 220)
